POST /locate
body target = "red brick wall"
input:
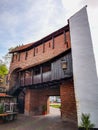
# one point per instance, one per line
(59, 46)
(28, 102)
(35, 99)
(68, 108)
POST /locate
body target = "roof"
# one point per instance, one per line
(32, 45)
(4, 95)
(19, 48)
(47, 60)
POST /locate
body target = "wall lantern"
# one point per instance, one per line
(64, 65)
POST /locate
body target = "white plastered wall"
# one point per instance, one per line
(84, 69)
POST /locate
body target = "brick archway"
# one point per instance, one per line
(35, 99)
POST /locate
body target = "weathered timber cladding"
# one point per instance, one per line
(58, 72)
(55, 73)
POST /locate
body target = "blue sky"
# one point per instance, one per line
(26, 21)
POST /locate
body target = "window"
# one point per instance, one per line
(46, 68)
(16, 56)
(34, 52)
(26, 55)
(49, 44)
(13, 57)
(52, 42)
(64, 37)
(43, 47)
(36, 71)
(19, 57)
(65, 40)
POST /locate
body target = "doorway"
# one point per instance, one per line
(55, 105)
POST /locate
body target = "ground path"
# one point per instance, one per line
(48, 122)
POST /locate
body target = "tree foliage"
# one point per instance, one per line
(3, 70)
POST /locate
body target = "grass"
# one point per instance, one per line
(55, 105)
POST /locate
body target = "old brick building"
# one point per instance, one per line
(37, 67)
(56, 65)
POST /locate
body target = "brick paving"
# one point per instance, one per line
(47, 122)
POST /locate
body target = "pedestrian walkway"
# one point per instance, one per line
(47, 122)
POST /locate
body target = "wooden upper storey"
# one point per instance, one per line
(42, 50)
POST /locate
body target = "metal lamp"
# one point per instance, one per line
(64, 65)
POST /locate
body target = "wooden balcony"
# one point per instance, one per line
(47, 72)
(36, 79)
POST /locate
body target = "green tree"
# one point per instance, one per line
(3, 70)
(85, 121)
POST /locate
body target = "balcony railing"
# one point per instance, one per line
(28, 81)
(47, 76)
(36, 79)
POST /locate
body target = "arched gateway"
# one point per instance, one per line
(51, 66)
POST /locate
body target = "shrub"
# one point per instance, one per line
(85, 121)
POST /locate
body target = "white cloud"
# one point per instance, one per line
(71, 7)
